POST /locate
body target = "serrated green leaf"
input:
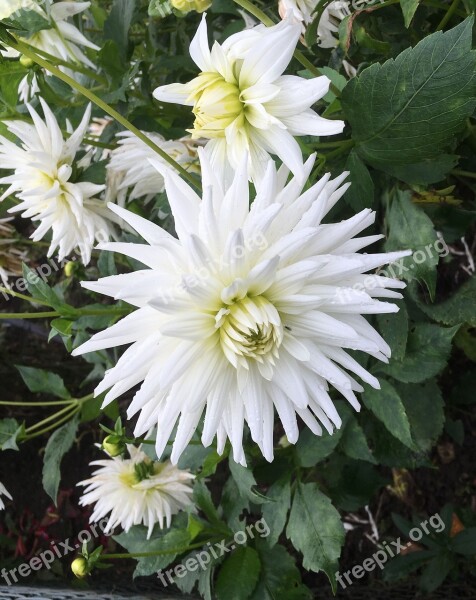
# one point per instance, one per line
(10, 430)
(409, 8)
(58, 444)
(311, 448)
(245, 482)
(38, 380)
(361, 193)
(275, 513)
(118, 23)
(427, 353)
(354, 443)
(239, 575)
(387, 406)
(315, 529)
(409, 109)
(411, 229)
(30, 22)
(394, 330)
(459, 308)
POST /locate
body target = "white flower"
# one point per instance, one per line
(136, 491)
(3, 492)
(248, 311)
(132, 159)
(244, 104)
(303, 11)
(43, 166)
(329, 22)
(62, 39)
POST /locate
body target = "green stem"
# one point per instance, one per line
(463, 173)
(159, 552)
(52, 417)
(336, 144)
(24, 49)
(67, 417)
(22, 296)
(53, 403)
(448, 15)
(38, 315)
(73, 66)
(298, 55)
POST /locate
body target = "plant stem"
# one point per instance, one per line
(22, 296)
(67, 417)
(26, 315)
(336, 144)
(159, 552)
(24, 49)
(53, 403)
(51, 417)
(298, 55)
(448, 15)
(463, 173)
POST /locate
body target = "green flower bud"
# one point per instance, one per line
(80, 568)
(186, 6)
(26, 62)
(69, 268)
(113, 446)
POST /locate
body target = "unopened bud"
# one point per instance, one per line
(185, 6)
(26, 62)
(79, 566)
(69, 268)
(113, 445)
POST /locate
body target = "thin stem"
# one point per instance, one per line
(298, 55)
(52, 417)
(66, 418)
(463, 173)
(159, 552)
(73, 66)
(22, 296)
(53, 403)
(24, 49)
(336, 144)
(26, 315)
(448, 15)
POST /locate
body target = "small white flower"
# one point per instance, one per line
(63, 40)
(3, 492)
(249, 311)
(329, 22)
(132, 158)
(301, 10)
(244, 104)
(43, 166)
(136, 491)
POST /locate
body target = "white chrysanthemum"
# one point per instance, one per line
(43, 166)
(136, 491)
(62, 40)
(3, 492)
(247, 312)
(328, 28)
(302, 10)
(244, 104)
(132, 159)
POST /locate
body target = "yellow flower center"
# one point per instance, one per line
(216, 105)
(249, 328)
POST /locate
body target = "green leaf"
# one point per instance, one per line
(426, 416)
(394, 330)
(38, 380)
(275, 513)
(311, 448)
(203, 499)
(239, 575)
(354, 443)
(411, 229)
(457, 309)
(159, 8)
(427, 353)
(360, 195)
(118, 23)
(436, 571)
(58, 444)
(135, 541)
(315, 530)
(387, 406)
(39, 289)
(245, 481)
(10, 430)
(280, 578)
(408, 9)
(465, 542)
(430, 170)
(410, 108)
(30, 22)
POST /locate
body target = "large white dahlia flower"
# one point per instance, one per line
(43, 167)
(249, 311)
(136, 491)
(244, 104)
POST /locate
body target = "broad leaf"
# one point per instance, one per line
(58, 444)
(275, 513)
(10, 430)
(239, 575)
(38, 380)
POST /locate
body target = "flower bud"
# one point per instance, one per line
(80, 568)
(69, 268)
(113, 446)
(185, 6)
(26, 62)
